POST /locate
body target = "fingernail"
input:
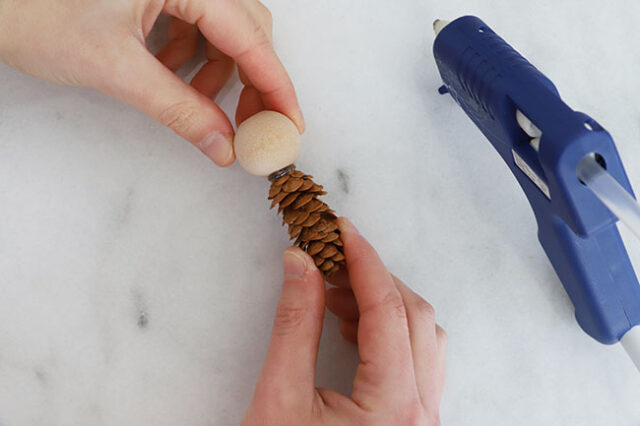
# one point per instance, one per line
(218, 147)
(298, 118)
(295, 266)
(347, 225)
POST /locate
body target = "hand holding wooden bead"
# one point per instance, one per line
(267, 144)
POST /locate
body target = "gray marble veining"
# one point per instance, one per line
(138, 281)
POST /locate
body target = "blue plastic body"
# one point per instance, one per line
(490, 81)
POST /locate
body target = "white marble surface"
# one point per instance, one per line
(138, 281)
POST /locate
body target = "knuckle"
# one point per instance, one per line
(261, 39)
(181, 117)
(288, 318)
(425, 309)
(258, 42)
(275, 400)
(187, 10)
(392, 302)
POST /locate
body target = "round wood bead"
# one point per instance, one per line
(266, 142)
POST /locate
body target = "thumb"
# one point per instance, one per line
(139, 79)
(290, 365)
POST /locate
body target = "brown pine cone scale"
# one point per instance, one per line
(311, 222)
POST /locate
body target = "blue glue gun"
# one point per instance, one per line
(544, 141)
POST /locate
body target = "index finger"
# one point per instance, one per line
(383, 331)
(235, 31)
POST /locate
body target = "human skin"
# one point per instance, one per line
(400, 378)
(101, 44)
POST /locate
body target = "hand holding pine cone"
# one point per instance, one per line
(266, 144)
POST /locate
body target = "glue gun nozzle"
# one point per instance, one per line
(439, 24)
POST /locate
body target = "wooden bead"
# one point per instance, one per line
(266, 142)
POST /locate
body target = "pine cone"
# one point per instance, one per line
(311, 222)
